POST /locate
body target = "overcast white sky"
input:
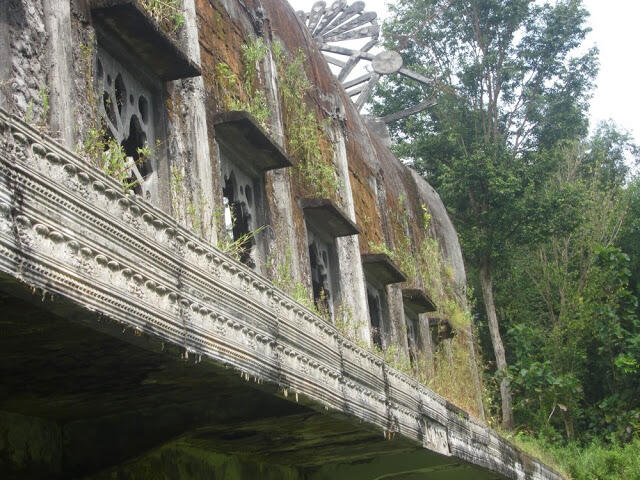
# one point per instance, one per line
(616, 32)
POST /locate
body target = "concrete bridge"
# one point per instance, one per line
(131, 348)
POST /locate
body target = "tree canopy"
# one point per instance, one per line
(509, 89)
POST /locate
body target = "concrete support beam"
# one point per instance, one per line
(5, 54)
(62, 98)
(196, 129)
(352, 284)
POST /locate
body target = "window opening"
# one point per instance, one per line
(319, 280)
(138, 167)
(440, 331)
(379, 272)
(375, 315)
(238, 216)
(321, 274)
(412, 337)
(130, 123)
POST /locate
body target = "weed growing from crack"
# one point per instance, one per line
(448, 372)
(168, 13)
(245, 94)
(305, 134)
(43, 100)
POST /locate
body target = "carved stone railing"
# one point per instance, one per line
(69, 229)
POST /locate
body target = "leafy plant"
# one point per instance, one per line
(237, 246)
(245, 94)
(282, 278)
(304, 132)
(167, 13)
(43, 97)
(29, 113)
(111, 157)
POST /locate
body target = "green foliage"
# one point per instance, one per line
(110, 156)
(245, 94)
(395, 357)
(43, 97)
(236, 247)
(176, 186)
(509, 87)
(29, 113)
(449, 371)
(569, 304)
(252, 54)
(598, 461)
(87, 53)
(630, 233)
(282, 277)
(304, 132)
(193, 209)
(167, 13)
(424, 264)
(593, 461)
(606, 160)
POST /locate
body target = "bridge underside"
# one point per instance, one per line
(82, 398)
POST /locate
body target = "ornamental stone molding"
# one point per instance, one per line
(68, 228)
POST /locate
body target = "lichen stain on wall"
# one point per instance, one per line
(221, 40)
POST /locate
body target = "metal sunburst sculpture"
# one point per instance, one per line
(332, 27)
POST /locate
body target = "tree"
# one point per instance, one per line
(507, 89)
(630, 232)
(566, 301)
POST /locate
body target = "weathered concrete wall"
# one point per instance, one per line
(24, 64)
(57, 15)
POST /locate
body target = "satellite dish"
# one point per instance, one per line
(335, 27)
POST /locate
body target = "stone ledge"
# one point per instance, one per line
(417, 300)
(128, 23)
(326, 217)
(381, 269)
(239, 132)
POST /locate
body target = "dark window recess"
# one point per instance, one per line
(238, 218)
(440, 331)
(319, 279)
(325, 222)
(416, 302)
(413, 339)
(246, 153)
(375, 314)
(121, 93)
(137, 139)
(379, 271)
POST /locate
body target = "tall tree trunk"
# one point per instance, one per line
(486, 282)
(473, 366)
